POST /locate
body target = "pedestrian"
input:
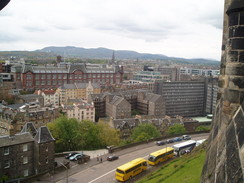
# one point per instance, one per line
(101, 160)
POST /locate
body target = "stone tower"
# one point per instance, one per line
(225, 154)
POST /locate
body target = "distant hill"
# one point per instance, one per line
(102, 53)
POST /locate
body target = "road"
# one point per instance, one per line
(105, 171)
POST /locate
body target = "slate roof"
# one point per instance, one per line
(116, 100)
(43, 135)
(152, 97)
(125, 123)
(29, 127)
(79, 86)
(20, 138)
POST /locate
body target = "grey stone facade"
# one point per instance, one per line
(225, 154)
(27, 153)
(145, 102)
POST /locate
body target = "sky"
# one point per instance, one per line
(178, 28)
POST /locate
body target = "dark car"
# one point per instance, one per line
(112, 157)
(70, 154)
(160, 143)
(177, 139)
(170, 141)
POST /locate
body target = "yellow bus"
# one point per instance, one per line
(130, 169)
(160, 155)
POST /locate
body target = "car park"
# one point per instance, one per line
(186, 137)
(160, 143)
(112, 158)
(75, 157)
(70, 154)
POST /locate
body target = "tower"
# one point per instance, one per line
(225, 153)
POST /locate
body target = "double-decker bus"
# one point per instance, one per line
(188, 145)
(160, 155)
(130, 169)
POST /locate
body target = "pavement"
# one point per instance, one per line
(75, 168)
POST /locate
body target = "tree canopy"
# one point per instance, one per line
(73, 135)
(144, 132)
(176, 129)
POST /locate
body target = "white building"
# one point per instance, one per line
(82, 111)
(51, 97)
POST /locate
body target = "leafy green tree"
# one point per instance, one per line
(144, 132)
(90, 135)
(108, 135)
(66, 132)
(176, 129)
(202, 128)
(135, 112)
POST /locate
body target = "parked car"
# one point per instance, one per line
(112, 157)
(160, 143)
(70, 154)
(186, 137)
(170, 141)
(75, 157)
(177, 139)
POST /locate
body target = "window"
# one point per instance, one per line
(6, 164)
(25, 160)
(26, 172)
(25, 147)
(6, 150)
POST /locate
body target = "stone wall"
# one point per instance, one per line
(225, 154)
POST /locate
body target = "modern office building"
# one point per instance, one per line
(184, 98)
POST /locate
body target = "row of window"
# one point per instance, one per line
(6, 150)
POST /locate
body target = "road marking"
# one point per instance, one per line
(102, 176)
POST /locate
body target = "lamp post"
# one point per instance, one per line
(67, 175)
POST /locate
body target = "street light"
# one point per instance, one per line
(67, 175)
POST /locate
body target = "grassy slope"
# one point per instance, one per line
(186, 169)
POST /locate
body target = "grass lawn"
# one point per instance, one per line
(186, 169)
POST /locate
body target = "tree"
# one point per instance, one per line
(144, 132)
(176, 129)
(90, 135)
(202, 128)
(66, 133)
(108, 135)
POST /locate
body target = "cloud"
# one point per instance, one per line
(151, 26)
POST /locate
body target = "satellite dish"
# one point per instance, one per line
(3, 3)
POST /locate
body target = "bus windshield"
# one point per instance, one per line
(151, 158)
(120, 171)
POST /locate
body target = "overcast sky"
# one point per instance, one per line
(180, 28)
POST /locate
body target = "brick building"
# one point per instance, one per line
(27, 153)
(29, 77)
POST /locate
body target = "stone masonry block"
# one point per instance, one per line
(239, 121)
(233, 160)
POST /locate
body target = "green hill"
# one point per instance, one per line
(186, 169)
